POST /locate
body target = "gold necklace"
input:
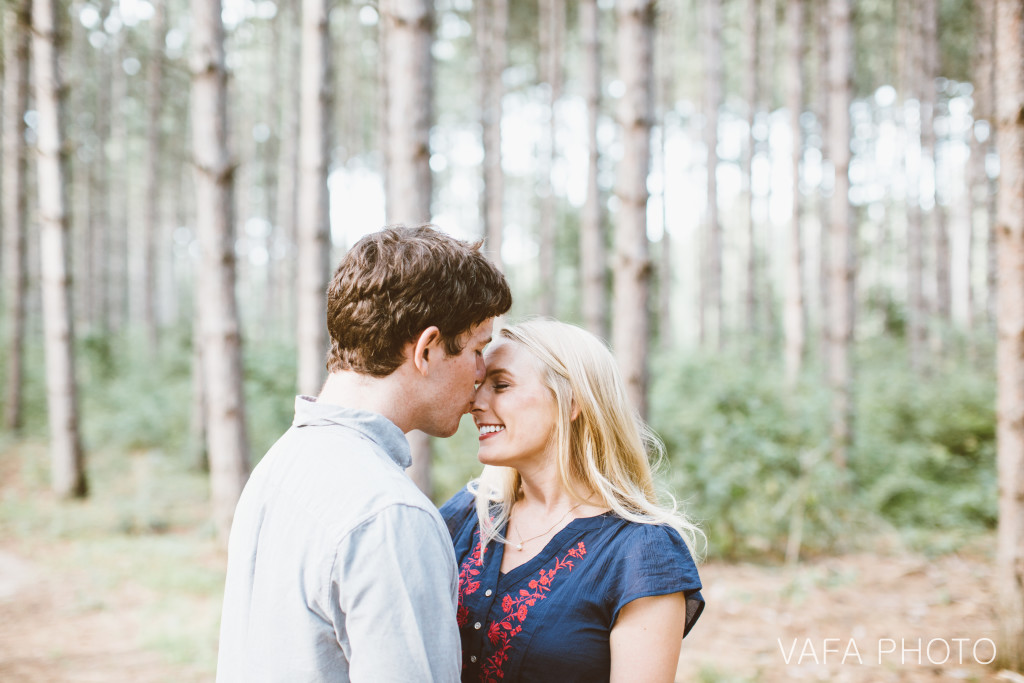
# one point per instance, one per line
(519, 545)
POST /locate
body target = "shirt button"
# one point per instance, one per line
(488, 592)
(477, 626)
(473, 658)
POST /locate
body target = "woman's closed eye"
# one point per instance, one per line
(499, 386)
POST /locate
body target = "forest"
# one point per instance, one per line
(799, 225)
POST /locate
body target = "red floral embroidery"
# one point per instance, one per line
(467, 583)
(516, 609)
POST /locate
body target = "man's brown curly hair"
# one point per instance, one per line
(395, 283)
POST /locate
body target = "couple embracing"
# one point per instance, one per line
(557, 564)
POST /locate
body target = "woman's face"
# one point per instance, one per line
(514, 411)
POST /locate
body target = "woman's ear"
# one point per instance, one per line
(574, 411)
(428, 338)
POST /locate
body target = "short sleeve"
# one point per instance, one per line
(656, 561)
(459, 508)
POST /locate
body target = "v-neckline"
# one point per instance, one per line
(561, 539)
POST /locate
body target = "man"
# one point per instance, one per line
(339, 568)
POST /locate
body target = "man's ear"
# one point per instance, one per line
(429, 338)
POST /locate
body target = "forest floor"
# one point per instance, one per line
(129, 590)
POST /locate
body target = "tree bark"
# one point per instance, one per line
(408, 27)
(283, 273)
(843, 237)
(631, 319)
(593, 252)
(916, 305)
(666, 24)
(795, 315)
(117, 189)
(552, 21)
(822, 204)
(751, 89)
(1009, 60)
(67, 458)
(314, 219)
(218, 312)
(711, 305)
(492, 27)
(17, 29)
(151, 197)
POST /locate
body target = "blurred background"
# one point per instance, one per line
(779, 213)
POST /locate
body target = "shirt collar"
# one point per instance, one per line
(373, 426)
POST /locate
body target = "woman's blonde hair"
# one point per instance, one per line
(606, 450)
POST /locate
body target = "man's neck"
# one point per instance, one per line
(382, 395)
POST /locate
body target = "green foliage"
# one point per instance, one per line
(747, 459)
(753, 462)
(925, 449)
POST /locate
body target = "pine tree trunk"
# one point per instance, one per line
(631, 318)
(822, 205)
(916, 305)
(151, 197)
(593, 252)
(117, 191)
(99, 256)
(314, 220)
(286, 224)
(552, 19)
(17, 18)
(492, 27)
(67, 458)
(408, 27)
(843, 238)
(795, 315)
(218, 311)
(666, 24)
(1009, 56)
(751, 89)
(712, 300)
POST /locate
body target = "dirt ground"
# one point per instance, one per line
(882, 617)
(60, 624)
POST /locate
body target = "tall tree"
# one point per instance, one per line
(17, 17)
(593, 256)
(552, 23)
(1009, 58)
(631, 319)
(491, 30)
(751, 92)
(822, 38)
(151, 197)
(711, 284)
(795, 315)
(409, 27)
(227, 442)
(280, 296)
(666, 96)
(314, 219)
(67, 458)
(843, 237)
(119, 179)
(916, 306)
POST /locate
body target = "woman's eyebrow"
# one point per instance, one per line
(497, 370)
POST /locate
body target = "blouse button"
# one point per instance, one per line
(477, 626)
(488, 592)
(473, 658)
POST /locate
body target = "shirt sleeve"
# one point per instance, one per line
(657, 562)
(396, 587)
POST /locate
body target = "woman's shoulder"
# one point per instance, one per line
(459, 508)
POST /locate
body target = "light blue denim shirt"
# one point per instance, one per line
(339, 568)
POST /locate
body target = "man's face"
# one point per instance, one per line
(454, 379)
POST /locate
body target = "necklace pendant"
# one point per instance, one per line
(519, 546)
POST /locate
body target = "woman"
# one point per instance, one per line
(569, 568)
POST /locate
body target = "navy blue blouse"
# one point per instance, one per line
(550, 618)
